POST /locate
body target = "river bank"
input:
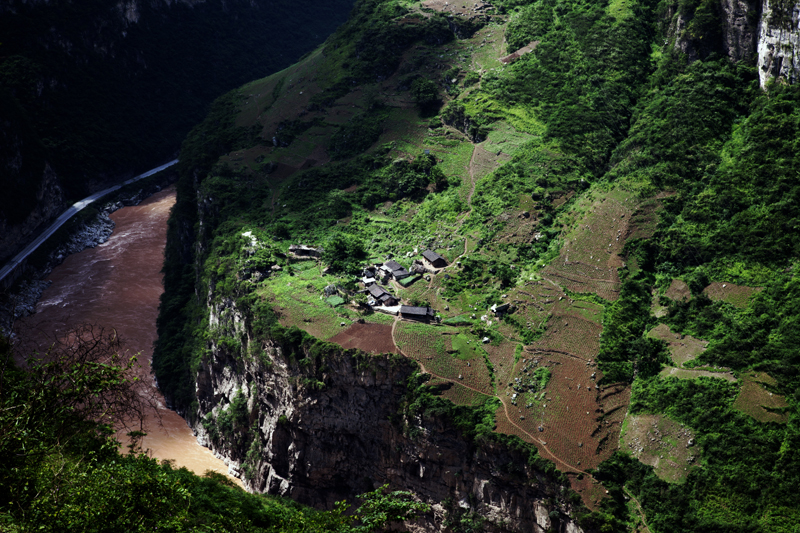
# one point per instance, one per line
(20, 299)
(116, 282)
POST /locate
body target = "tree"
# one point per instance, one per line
(344, 252)
(425, 93)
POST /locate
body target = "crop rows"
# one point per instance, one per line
(589, 259)
(607, 289)
(460, 395)
(567, 412)
(571, 335)
(431, 349)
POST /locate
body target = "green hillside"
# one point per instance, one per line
(626, 202)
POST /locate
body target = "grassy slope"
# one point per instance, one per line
(598, 191)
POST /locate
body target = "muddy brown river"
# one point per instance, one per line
(118, 285)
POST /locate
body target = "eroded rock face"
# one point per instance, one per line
(739, 29)
(765, 33)
(779, 42)
(331, 428)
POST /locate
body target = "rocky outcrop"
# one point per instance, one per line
(779, 41)
(729, 28)
(326, 427)
(739, 29)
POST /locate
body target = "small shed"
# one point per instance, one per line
(436, 260)
(416, 313)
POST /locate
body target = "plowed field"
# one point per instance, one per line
(433, 348)
(372, 338)
(755, 400)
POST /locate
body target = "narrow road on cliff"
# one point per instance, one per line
(69, 213)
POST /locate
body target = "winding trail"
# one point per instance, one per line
(540, 443)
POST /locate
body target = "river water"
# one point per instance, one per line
(118, 285)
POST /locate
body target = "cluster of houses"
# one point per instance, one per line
(374, 275)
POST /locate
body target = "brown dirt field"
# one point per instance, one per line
(505, 427)
(569, 335)
(736, 295)
(662, 443)
(432, 351)
(683, 373)
(580, 424)
(681, 349)
(679, 291)
(372, 338)
(502, 358)
(754, 399)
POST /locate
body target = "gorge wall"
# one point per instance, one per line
(328, 427)
(761, 33)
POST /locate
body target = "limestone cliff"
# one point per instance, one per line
(779, 41)
(330, 427)
(763, 33)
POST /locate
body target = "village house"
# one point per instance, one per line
(395, 269)
(416, 313)
(302, 251)
(434, 259)
(381, 295)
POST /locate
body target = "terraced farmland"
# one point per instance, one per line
(756, 400)
(578, 421)
(682, 348)
(589, 258)
(459, 394)
(432, 347)
(736, 295)
(662, 443)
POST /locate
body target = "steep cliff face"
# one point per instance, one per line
(779, 41)
(726, 27)
(49, 204)
(32, 195)
(766, 34)
(328, 428)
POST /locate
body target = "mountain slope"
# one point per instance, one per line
(629, 195)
